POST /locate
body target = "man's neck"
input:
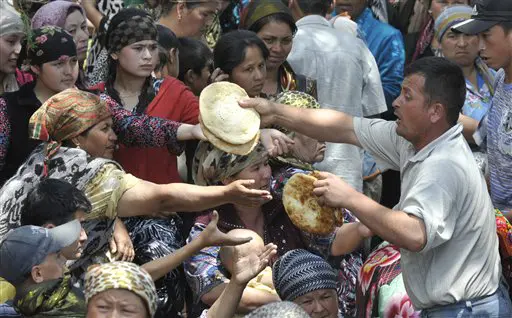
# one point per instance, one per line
(429, 136)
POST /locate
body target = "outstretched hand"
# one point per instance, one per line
(332, 191)
(275, 142)
(264, 107)
(247, 267)
(238, 192)
(212, 236)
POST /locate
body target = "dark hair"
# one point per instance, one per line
(314, 6)
(194, 55)
(167, 41)
(147, 93)
(167, 5)
(228, 19)
(276, 17)
(444, 83)
(53, 201)
(231, 48)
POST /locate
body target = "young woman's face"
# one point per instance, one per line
(460, 48)
(10, 47)
(195, 21)
(58, 75)
(116, 303)
(251, 73)
(76, 25)
(100, 141)
(139, 59)
(278, 38)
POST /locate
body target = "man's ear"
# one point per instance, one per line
(437, 112)
(37, 274)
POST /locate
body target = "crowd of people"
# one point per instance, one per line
(114, 203)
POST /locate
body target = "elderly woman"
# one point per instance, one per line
(79, 146)
(204, 272)
(12, 32)
(273, 22)
(70, 17)
(307, 280)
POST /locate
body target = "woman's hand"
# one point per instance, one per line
(190, 132)
(276, 142)
(212, 236)
(247, 267)
(218, 76)
(238, 192)
(121, 245)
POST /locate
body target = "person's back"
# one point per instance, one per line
(348, 80)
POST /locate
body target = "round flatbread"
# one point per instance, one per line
(223, 117)
(303, 208)
(241, 150)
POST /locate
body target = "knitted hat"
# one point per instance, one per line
(299, 272)
(451, 16)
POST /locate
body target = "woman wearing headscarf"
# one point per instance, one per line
(205, 273)
(12, 32)
(79, 143)
(273, 22)
(70, 17)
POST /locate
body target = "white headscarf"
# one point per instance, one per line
(10, 22)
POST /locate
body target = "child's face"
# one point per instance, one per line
(496, 47)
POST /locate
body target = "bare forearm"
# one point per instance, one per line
(186, 197)
(250, 299)
(347, 239)
(160, 267)
(397, 227)
(470, 126)
(92, 13)
(227, 304)
(321, 124)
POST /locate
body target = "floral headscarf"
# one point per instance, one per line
(121, 275)
(54, 13)
(212, 165)
(48, 44)
(66, 115)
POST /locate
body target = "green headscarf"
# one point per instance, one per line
(258, 9)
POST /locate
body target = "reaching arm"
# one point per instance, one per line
(321, 124)
(349, 237)
(470, 126)
(151, 199)
(92, 12)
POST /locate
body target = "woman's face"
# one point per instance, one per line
(322, 303)
(251, 73)
(116, 303)
(100, 141)
(76, 25)
(278, 37)
(259, 172)
(10, 47)
(195, 21)
(58, 75)
(308, 149)
(460, 48)
(437, 6)
(138, 59)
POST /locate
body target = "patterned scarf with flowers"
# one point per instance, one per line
(48, 44)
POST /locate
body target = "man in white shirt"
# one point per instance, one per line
(444, 223)
(347, 78)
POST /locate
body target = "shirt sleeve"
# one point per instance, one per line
(106, 189)
(439, 214)
(373, 98)
(5, 132)
(391, 66)
(142, 130)
(190, 108)
(379, 137)
(203, 270)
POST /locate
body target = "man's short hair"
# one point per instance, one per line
(444, 84)
(320, 7)
(53, 201)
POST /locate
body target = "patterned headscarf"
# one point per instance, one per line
(66, 115)
(299, 272)
(10, 20)
(54, 13)
(451, 16)
(258, 9)
(121, 275)
(130, 26)
(212, 165)
(48, 44)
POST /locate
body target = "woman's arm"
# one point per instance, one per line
(349, 237)
(92, 12)
(151, 199)
(5, 132)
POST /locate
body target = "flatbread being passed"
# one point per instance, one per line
(241, 150)
(223, 117)
(303, 208)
